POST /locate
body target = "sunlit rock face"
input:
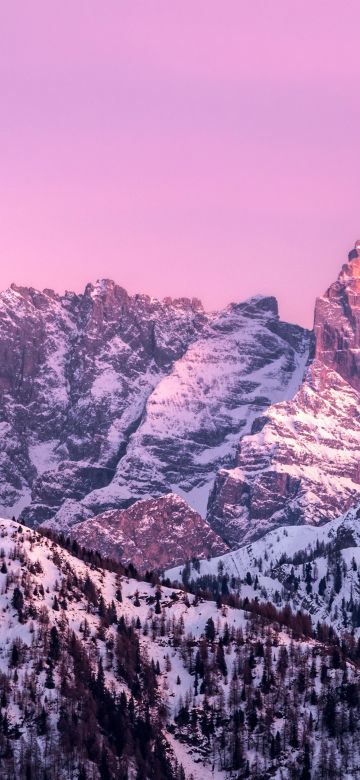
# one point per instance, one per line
(301, 463)
(337, 324)
(151, 534)
(303, 466)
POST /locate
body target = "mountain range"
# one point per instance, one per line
(180, 586)
(243, 421)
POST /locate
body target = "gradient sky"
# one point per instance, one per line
(198, 147)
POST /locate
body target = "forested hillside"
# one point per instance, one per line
(105, 676)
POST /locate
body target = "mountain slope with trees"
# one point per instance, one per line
(104, 677)
(314, 569)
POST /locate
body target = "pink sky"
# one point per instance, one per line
(198, 147)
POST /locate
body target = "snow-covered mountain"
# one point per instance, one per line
(244, 360)
(301, 462)
(75, 374)
(106, 398)
(104, 676)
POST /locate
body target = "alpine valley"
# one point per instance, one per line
(180, 539)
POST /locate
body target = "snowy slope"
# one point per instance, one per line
(302, 466)
(204, 692)
(52, 573)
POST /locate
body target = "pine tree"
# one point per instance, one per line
(157, 603)
(54, 647)
(14, 655)
(220, 659)
(18, 602)
(49, 679)
(210, 630)
(306, 770)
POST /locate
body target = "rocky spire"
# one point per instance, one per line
(337, 322)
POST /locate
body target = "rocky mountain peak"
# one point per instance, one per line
(105, 295)
(337, 323)
(39, 299)
(184, 303)
(259, 305)
(104, 289)
(152, 533)
(108, 398)
(300, 463)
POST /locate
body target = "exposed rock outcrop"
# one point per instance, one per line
(337, 324)
(151, 534)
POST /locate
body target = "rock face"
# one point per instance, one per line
(337, 324)
(151, 534)
(301, 464)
